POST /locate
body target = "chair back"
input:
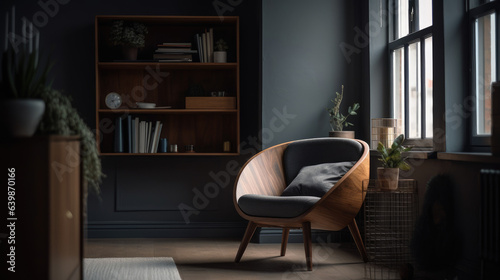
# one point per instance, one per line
(317, 151)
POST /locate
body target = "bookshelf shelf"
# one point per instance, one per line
(167, 65)
(170, 154)
(168, 111)
(168, 84)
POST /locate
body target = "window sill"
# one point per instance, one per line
(455, 156)
(469, 157)
(412, 154)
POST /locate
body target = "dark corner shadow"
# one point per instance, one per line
(268, 264)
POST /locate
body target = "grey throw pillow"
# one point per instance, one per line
(316, 180)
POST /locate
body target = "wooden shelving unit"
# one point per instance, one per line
(167, 84)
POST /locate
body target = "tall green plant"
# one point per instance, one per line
(337, 120)
(392, 157)
(22, 75)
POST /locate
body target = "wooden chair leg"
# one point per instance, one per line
(353, 228)
(306, 232)
(284, 240)
(246, 239)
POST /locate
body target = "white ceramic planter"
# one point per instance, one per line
(21, 117)
(220, 57)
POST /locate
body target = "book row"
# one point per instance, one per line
(183, 52)
(133, 135)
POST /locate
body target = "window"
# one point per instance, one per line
(411, 55)
(484, 67)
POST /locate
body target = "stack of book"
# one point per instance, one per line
(174, 52)
(205, 44)
(135, 136)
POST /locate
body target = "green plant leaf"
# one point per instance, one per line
(404, 166)
(381, 148)
(398, 141)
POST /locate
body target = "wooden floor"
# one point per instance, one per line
(214, 258)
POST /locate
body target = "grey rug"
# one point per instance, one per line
(130, 269)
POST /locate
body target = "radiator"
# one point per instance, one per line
(490, 215)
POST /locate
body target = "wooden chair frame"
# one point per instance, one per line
(263, 174)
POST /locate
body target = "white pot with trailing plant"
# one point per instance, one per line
(30, 106)
(338, 121)
(220, 54)
(130, 35)
(392, 161)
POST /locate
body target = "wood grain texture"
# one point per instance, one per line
(166, 84)
(306, 231)
(284, 240)
(246, 239)
(353, 228)
(47, 190)
(264, 174)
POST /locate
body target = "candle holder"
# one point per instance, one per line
(384, 130)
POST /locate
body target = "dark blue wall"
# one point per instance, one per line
(141, 195)
(304, 65)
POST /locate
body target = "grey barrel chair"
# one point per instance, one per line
(260, 185)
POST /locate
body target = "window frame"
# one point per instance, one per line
(480, 142)
(420, 36)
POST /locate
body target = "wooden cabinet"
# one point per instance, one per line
(167, 84)
(47, 213)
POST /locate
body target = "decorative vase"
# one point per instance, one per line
(220, 57)
(20, 117)
(130, 53)
(387, 178)
(342, 134)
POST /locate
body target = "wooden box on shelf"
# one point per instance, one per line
(206, 124)
(210, 102)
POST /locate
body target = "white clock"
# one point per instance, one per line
(113, 100)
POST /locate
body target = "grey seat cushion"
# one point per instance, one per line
(275, 206)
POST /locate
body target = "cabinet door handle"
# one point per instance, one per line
(69, 215)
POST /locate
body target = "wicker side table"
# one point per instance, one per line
(390, 218)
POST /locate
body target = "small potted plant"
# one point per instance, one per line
(23, 79)
(220, 55)
(130, 35)
(392, 160)
(337, 120)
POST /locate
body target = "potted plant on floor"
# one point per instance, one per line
(130, 35)
(338, 120)
(392, 161)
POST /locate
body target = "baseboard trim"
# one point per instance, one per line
(273, 235)
(140, 229)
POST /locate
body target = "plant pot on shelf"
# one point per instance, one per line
(387, 178)
(130, 53)
(220, 57)
(342, 134)
(20, 117)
